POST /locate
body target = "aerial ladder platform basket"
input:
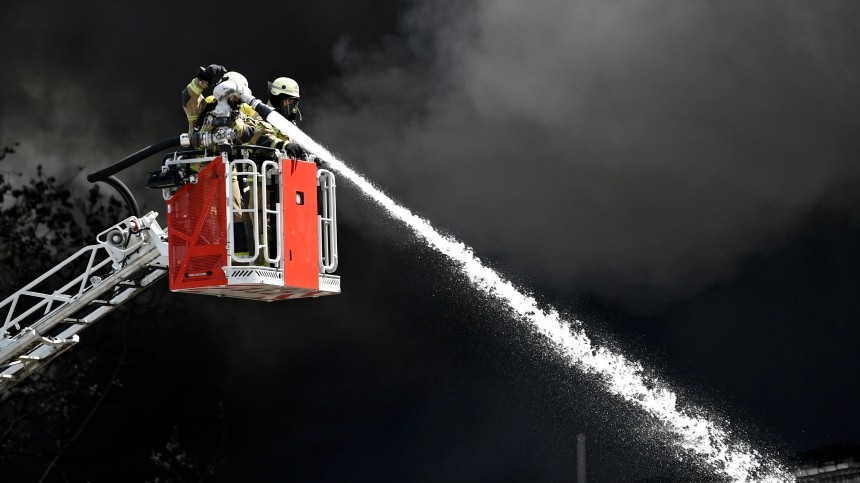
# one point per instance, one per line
(279, 243)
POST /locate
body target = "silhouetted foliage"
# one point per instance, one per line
(177, 464)
(38, 415)
(42, 418)
(7, 150)
(42, 222)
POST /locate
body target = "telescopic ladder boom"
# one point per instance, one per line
(43, 319)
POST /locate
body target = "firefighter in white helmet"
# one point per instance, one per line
(250, 128)
(197, 107)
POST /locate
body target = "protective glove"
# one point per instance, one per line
(296, 151)
(211, 74)
(245, 94)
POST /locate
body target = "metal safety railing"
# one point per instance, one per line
(255, 211)
(244, 172)
(327, 224)
(253, 207)
(191, 162)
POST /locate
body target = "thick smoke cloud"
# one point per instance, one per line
(88, 83)
(633, 150)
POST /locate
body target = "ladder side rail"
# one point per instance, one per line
(25, 338)
(47, 299)
(56, 294)
(41, 278)
(106, 285)
(50, 347)
(82, 278)
(75, 297)
(12, 300)
(120, 297)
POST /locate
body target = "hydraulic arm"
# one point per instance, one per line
(43, 319)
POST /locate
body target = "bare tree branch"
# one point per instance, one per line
(92, 412)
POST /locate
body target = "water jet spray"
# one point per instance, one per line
(693, 434)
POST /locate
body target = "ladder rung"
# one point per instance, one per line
(52, 342)
(70, 320)
(130, 283)
(30, 358)
(104, 303)
(8, 377)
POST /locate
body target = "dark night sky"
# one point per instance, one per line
(679, 175)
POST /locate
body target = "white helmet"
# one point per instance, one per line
(229, 93)
(236, 77)
(285, 89)
(283, 85)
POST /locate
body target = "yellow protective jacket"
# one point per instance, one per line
(251, 128)
(267, 134)
(193, 101)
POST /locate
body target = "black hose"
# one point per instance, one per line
(106, 175)
(135, 158)
(123, 190)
